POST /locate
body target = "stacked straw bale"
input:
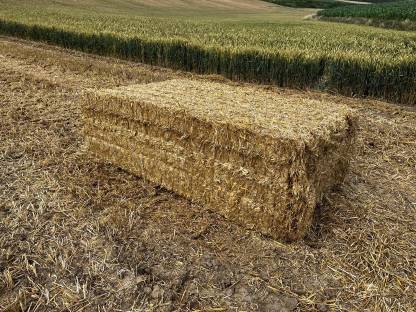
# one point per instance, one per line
(254, 156)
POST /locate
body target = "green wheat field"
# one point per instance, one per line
(249, 42)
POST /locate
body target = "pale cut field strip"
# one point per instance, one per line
(256, 157)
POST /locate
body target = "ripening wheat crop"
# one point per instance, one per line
(400, 10)
(349, 59)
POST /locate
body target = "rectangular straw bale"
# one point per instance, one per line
(256, 157)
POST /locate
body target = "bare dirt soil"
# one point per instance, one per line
(79, 235)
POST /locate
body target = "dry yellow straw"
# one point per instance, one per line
(254, 156)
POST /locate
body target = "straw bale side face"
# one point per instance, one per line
(250, 167)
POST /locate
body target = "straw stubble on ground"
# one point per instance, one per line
(78, 234)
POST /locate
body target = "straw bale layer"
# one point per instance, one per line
(255, 157)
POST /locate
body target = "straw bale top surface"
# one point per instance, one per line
(260, 111)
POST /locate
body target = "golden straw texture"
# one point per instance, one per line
(254, 156)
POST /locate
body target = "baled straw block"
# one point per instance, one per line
(256, 157)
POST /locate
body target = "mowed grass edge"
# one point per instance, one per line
(352, 76)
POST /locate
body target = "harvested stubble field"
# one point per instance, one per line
(79, 235)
